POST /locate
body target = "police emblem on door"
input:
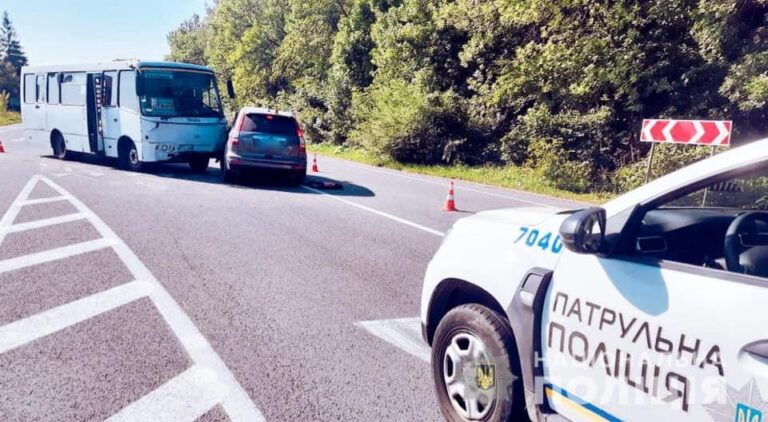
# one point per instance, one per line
(745, 404)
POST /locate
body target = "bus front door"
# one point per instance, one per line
(94, 97)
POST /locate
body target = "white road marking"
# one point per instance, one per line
(16, 140)
(31, 260)
(186, 397)
(43, 200)
(17, 228)
(377, 212)
(458, 187)
(10, 216)
(405, 334)
(24, 331)
(237, 404)
(93, 173)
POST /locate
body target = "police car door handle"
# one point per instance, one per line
(758, 350)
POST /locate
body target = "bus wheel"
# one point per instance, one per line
(128, 157)
(199, 164)
(60, 147)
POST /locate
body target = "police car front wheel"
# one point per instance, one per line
(475, 367)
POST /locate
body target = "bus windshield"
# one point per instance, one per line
(171, 93)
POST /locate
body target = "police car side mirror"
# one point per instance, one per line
(584, 231)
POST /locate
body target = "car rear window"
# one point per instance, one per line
(266, 123)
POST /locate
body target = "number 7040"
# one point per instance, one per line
(534, 239)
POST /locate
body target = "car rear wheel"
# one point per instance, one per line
(228, 174)
(128, 157)
(297, 177)
(475, 367)
(199, 164)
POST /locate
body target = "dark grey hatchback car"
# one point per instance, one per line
(263, 140)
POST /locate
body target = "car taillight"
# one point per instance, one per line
(234, 140)
(302, 143)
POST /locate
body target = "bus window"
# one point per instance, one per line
(110, 89)
(170, 93)
(128, 98)
(53, 88)
(41, 89)
(29, 89)
(73, 88)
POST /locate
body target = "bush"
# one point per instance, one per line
(403, 122)
(548, 159)
(667, 158)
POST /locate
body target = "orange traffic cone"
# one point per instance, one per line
(2, 149)
(450, 201)
(314, 164)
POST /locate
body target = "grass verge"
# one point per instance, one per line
(9, 118)
(512, 177)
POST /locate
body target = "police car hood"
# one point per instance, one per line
(527, 216)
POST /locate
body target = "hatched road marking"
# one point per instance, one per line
(186, 397)
(404, 333)
(189, 395)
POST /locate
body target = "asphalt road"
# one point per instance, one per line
(171, 295)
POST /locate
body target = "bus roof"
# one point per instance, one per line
(115, 65)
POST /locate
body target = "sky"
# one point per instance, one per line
(90, 31)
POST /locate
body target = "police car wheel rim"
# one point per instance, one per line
(464, 353)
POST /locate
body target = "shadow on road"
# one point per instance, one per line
(264, 181)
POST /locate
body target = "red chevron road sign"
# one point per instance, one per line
(692, 132)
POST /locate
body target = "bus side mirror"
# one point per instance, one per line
(584, 231)
(230, 89)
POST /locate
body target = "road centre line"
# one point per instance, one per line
(31, 260)
(186, 397)
(17, 228)
(458, 187)
(237, 403)
(29, 329)
(404, 333)
(377, 212)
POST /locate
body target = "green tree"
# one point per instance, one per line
(188, 41)
(559, 85)
(10, 47)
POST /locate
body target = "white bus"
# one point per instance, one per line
(134, 111)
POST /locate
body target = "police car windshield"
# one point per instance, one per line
(169, 93)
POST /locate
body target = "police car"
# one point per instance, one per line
(652, 307)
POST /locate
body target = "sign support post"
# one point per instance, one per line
(706, 190)
(649, 167)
